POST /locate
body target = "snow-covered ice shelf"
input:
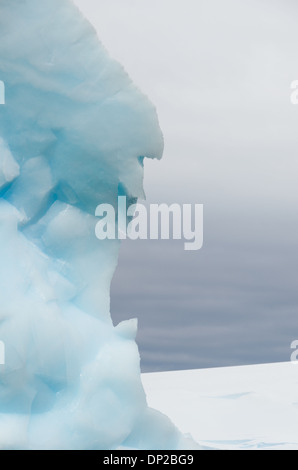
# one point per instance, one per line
(250, 407)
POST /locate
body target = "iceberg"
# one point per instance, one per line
(74, 131)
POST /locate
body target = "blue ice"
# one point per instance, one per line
(73, 132)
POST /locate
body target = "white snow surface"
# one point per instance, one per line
(235, 408)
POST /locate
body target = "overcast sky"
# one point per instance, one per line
(219, 73)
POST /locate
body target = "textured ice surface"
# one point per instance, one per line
(72, 133)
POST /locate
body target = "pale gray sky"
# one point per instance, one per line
(219, 73)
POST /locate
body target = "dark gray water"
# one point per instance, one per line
(232, 303)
